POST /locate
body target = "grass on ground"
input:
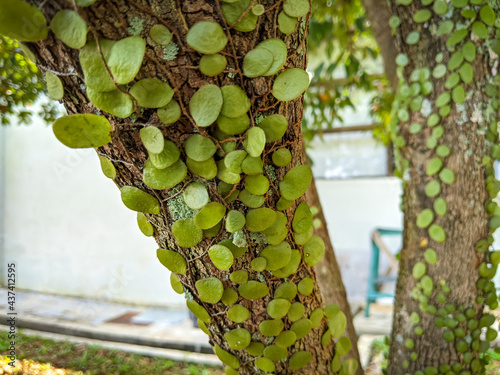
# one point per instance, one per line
(37, 355)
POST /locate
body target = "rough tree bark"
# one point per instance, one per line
(444, 136)
(378, 12)
(117, 19)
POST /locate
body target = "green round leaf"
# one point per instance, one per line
(94, 70)
(196, 196)
(239, 277)
(286, 23)
(238, 338)
(152, 93)
(144, 225)
(296, 182)
(282, 157)
(430, 256)
(233, 12)
(422, 16)
(235, 221)
(278, 308)
(488, 15)
(265, 364)
(457, 37)
(238, 313)
(314, 251)
(199, 148)
(286, 290)
(296, 8)
(206, 104)
(229, 297)
(306, 286)
(299, 359)
(425, 218)
(286, 339)
(210, 215)
(226, 175)
(260, 219)
(55, 86)
(107, 167)
(176, 284)
(235, 101)
(413, 37)
(152, 138)
(436, 232)
(165, 178)
(480, 30)
(302, 218)
(257, 62)
(271, 328)
(170, 113)
(291, 267)
(206, 37)
(233, 160)
(212, 65)
(275, 353)
(227, 358)
(114, 102)
(255, 141)
(279, 50)
(447, 176)
(169, 155)
(187, 233)
(209, 290)
(302, 328)
(290, 84)
(274, 127)
(125, 59)
(161, 35)
(433, 188)
(440, 206)
(70, 28)
(172, 260)
(221, 256)
(21, 21)
(337, 324)
(253, 290)
(200, 312)
(140, 201)
(82, 131)
(233, 126)
(276, 256)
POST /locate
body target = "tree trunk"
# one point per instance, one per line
(378, 12)
(329, 275)
(444, 162)
(117, 19)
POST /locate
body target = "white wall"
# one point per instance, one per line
(67, 229)
(353, 209)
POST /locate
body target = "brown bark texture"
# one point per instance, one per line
(465, 223)
(378, 12)
(114, 20)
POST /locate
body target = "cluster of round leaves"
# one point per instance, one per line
(110, 69)
(243, 15)
(455, 75)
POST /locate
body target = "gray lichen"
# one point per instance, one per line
(170, 51)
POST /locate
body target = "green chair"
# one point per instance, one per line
(374, 280)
